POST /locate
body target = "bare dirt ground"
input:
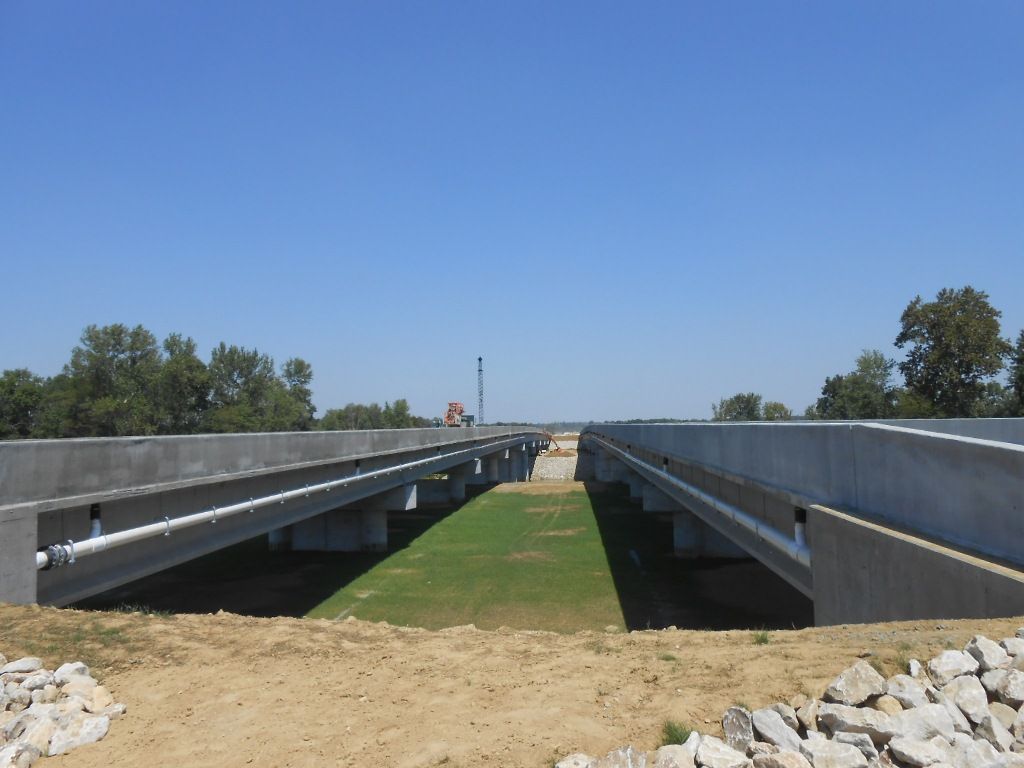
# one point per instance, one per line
(225, 690)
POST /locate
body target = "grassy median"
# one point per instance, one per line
(525, 560)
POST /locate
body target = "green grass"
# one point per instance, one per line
(673, 732)
(760, 637)
(503, 559)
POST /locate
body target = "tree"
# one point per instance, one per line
(953, 346)
(21, 395)
(745, 406)
(297, 375)
(241, 389)
(776, 411)
(866, 392)
(112, 382)
(184, 388)
(1016, 386)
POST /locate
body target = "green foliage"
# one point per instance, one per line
(745, 406)
(953, 345)
(1016, 386)
(21, 395)
(673, 732)
(776, 411)
(183, 387)
(760, 637)
(867, 392)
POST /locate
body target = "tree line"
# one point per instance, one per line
(120, 381)
(955, 353)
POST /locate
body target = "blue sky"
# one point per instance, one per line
(630, 210)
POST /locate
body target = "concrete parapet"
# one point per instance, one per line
(865, 572)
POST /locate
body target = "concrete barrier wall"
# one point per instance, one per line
(962, 490)
(35, 470)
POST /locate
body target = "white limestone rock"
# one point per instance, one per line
(672, 756)
(625, 757)
(738, 728)
(960, 722)
(808, 715)
(988, 654)
(577, 760)
(1004, 714)
(1014, 646)
(916, 751)
(1017, 729)
(832, 754)
(23, 665)
(992, 731)
(772, 728)
(969, 696)
(917, 671)
(692, 743)
(908, 691)
(65, 672)
(38, 734)
(950, 664)
(839, 717)
(1011, 689)
(761, 748)
(782, 760)
(855, 685)
(79, 731)
(715, 753)
(37, 680)
(888, 704)
(859, 740)
(924, 723)
(990, 680)
(968, 753)
(788, 715)
(1020, 632)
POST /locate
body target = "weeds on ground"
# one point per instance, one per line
(668, 657)
(140, 608)
(673, 732)
(760, 637)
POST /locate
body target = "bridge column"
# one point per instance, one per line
(359, 527)
(497, 466)
(18, 559)
(457, 481)
(637, 484)
(476, 472)
(608, 469)
(691, 537)
(520, 464)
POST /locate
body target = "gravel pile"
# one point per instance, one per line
(45, 713)
(964, 709)
(554, 468)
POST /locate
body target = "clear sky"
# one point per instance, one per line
(629, 209)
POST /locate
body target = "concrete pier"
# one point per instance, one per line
(360, 527)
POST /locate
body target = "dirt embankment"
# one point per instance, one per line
(226, 690)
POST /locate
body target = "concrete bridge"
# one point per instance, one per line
(873, 521)
(78, 517)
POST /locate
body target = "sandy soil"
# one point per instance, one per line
(226, 690)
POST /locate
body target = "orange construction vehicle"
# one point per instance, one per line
(453, 418)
